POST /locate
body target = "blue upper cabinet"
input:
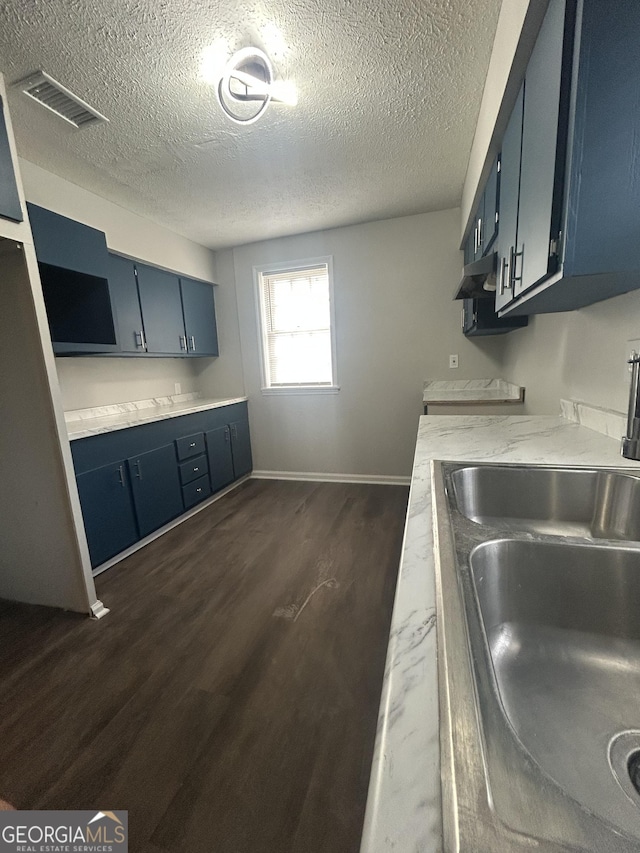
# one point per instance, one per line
(10, 207)
(574, 239)
(199, 317)
(65, 243)
(161, 305)
(74, 268)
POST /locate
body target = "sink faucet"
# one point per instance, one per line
(630, 448)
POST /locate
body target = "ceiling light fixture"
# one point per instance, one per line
(247, 81)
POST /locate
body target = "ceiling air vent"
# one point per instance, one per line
(53, 95)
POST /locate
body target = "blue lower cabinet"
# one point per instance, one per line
(107, 510)
(133, 481)
(241, 448)
(196, 491)
(220, 458)
(155, 483)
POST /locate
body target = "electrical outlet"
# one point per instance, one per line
(177, 388)
(453, 360)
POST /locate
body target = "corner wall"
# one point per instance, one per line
(396, 324)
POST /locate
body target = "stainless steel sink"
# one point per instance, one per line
(555, 501)
(539, 658)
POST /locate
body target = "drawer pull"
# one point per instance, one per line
(195, 469)
(198, 490)
(193, 444)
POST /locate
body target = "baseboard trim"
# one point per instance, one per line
(315, 477)
(162, 530)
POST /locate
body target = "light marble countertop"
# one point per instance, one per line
(403, 809)
(471, 391)
(98, 419)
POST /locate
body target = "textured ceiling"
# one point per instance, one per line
(389, 93)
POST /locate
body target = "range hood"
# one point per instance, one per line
(478, 279)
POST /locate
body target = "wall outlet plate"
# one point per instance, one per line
(453, 360)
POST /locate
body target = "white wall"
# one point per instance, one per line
(90, 381)
(576, 355)
(396, 324)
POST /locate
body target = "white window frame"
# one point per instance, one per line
(284, 267)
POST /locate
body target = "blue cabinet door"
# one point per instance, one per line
(241, 448)
(161, 306)
(107, 510)
(220, 457)
(508, 206)
(157, 492)
(9, 199)
(542, 86)
(199, 317)
(490, 221)
(124, 296)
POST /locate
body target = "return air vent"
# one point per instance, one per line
(55, 97)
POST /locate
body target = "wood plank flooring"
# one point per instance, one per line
(210, 703)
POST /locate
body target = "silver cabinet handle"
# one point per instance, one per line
(462, 319)
(226, 434)
(480, 232)
(121, 475)
(183, 342)
(198, 490)
(505, 280)
(193, 444)
(192, 340)
(138, 468)
(234, 429)
(195, 469)
(514, 255)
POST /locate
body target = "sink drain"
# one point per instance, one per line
(633, 766)
(624, 760)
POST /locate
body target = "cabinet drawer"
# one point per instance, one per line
(196, 491)
(190, 445)
(193, 469)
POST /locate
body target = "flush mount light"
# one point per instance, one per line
(247, 86)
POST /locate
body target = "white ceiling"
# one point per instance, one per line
(389, 96)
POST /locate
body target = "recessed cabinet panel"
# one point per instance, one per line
(199, 317)
(539, 145)
(161, 306)
(107, 510)
(124, 295)
(157, 492)
(10, 206)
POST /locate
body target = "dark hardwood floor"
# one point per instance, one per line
(224, 715)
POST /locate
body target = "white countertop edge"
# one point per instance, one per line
(445, 391)
(110, 423)
(403, 807)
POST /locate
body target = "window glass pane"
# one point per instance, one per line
(301, 358)
(297, 327)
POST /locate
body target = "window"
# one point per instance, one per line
(296, 319)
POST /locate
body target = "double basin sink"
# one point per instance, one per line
(539, 657)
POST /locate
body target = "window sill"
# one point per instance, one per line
(302, 389)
